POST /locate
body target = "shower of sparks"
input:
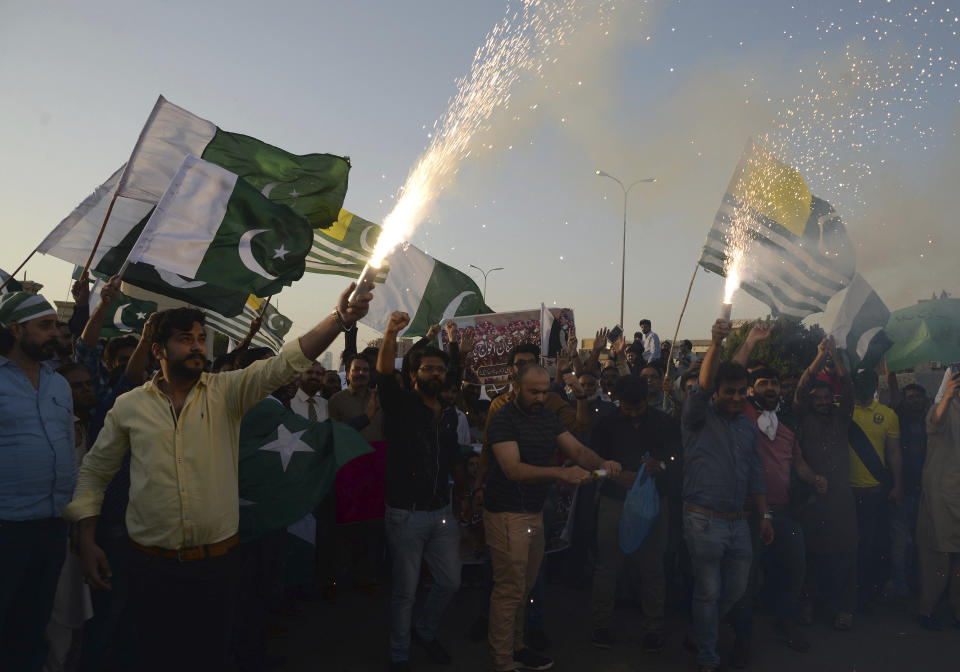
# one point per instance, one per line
(520, 44)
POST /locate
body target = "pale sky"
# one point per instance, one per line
(670, 90)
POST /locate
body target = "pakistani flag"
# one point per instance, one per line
(427, 289)
(274, 327)
(126, 315)
(858, 328)
(214, 227)
(795, 248)
(313, 185)
(12, 285)
(343, 248)
(287, 465)
(928, 331)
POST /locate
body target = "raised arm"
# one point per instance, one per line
(343, 318)
(939, 412)
(758, 332)
(711, 362)
(94, 326)
(388, 347)
(136, 370)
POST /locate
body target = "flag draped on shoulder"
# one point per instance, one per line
(287, 465)
(312, 185)
(859, 326)
(426, 289)
(275, 325)
(796, 252)
(210, 225)
(343, 248)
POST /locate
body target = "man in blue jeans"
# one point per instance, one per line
(722, 466)
(422, 455)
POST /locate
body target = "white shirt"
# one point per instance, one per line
(463, 429)
(300, 406)
(651, 347)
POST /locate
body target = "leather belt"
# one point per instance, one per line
(216, 550)
(722, 515)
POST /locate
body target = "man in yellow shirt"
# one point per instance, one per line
(182, 431)
(875, 477)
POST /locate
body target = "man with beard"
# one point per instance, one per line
(785, 558)
(524, 437)
(721, 468)
(64, 353)
(84, 399)
(308, 402)
(37, 471)
(422, 455)
(830, 521)
(331, 384)
(182, 430)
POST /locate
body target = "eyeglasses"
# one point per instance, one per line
(430, 368)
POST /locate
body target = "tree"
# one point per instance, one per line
(790, 347)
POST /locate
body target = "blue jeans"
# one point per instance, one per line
(720, 552)
(903, 544)
(414, 537)
(874, 545)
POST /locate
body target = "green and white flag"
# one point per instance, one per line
(345, 247)
(313, 185)
(126, 315)
(426, 289)
(214, 227)
(859, 326)
(287, 465)
(12, 285)
(275, 326)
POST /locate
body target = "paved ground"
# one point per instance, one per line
(349, 635)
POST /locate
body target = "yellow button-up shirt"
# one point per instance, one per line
(183, 471)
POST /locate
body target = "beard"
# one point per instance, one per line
(180, 369)
(532, 409)
(769, 401)
(429, 386)
(39, 351)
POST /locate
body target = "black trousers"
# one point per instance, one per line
(184, 611)
(31, 557)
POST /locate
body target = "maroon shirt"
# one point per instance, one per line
(776, 457)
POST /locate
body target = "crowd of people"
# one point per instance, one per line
(792, 491)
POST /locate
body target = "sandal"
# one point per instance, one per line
(843, 621)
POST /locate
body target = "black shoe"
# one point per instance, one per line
(434, 649)
(528, 659)
(399, 666)
(929, 622)
(537, 639)
(602, 638)
(478, 631)
(740, 656)
(653, 643)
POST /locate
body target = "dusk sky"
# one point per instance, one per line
(861, 97)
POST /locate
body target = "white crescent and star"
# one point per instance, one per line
(270, 324)
(452, 307)
(118, 319)
(246, 254)
(363, 240)
(270, 187)
(178, 281)
(141, 316)
(287, 443)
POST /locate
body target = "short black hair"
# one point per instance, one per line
(251, 355)
(686, 343)
(418, 355)
(789, 374)
(176, 319)
(70, 367)
(646, 321)
(914, 387)
(631, 389)
(820, 385)
(767, 372)
(755, 363)
(588, 372)
(224, 360)
(524, 348)
(119, 343)
(687, 376)
(730, 372)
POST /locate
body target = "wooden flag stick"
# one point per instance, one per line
(266, 303)
(13, 275)
(676, 332)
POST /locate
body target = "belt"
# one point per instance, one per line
(722, 515)
(192, 553)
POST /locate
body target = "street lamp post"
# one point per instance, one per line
(623, 251)
(485, 274)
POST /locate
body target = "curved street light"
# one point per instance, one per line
(623, 259)
(485, 274)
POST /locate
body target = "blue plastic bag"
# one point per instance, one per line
(640, 509)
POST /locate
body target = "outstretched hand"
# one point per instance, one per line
(351, 313)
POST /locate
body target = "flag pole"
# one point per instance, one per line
(676, 332)
(265, 304)
(121, 183)
(19, 268)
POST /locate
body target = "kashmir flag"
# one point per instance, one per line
(796, 252)
(11, 284)
(428, 290)
(859, 326)
(126, 315)
(345, 247)
(313, 185)
(287, 465)
(214, 227)
(275, 326)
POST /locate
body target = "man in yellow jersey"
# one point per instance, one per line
(875, 477)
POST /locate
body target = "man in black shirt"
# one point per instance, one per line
(524, 438)
(422, 455)
(627, 436)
